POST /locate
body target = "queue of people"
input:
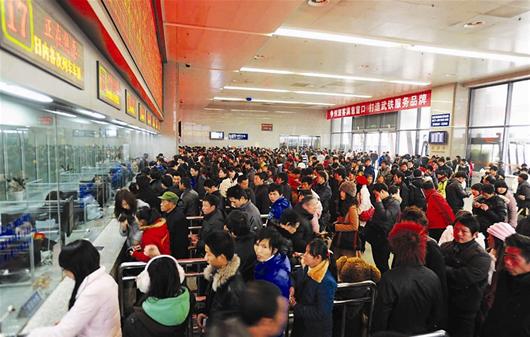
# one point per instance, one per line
(319, 216)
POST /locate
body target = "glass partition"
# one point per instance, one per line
(58, 176)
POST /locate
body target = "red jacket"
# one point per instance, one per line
(155, 234)
(439, 213)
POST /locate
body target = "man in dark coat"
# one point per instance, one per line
(454, 192)
(177, 225)
(510, 313)
(197, 180)
(467, 266)
(522, 195)
(225, 284)
(409, 296)
(489, 208)
(399, 181)
(386, 213)
(261, 190)
(296, 230)
(213, 219)
(189, 198)
(238, 225)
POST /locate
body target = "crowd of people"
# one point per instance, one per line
(281, 228)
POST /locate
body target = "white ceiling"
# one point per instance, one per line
(435, 23)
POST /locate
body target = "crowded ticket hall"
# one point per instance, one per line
(264, 168)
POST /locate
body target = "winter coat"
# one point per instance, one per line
(300, 238)
(147, 321)
(404, 194)
(438, 213)
(287, 192)
(197, 183)
(190, 202)
(177, 226)
(276, 270)
(314, 305)
(244, 248)
(455, 195)
(511, 208)
(95, 313)
(347, 230)
(416, 196)
(225, 185)
(385, 216)
(497, 212)
(225, 287)
(523, 189)
(324, 193)
(510, 314)
(408, 301)
(156, 234)
(369, 170)
(277, 209)
(253, 216)
(212, 222)
(147, 194)
(467, 267)
(263, 202)
(434, 260)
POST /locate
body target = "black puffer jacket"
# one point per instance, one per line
(467, 267)
(497, 212)
(177, 226)
(523, 189)
(510, 314)
(455, 194)
(385, 216)
(225, 287)
(212, 222)
(409, 300)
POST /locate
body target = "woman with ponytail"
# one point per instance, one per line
(93, 308)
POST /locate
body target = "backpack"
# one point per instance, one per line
(416, 197)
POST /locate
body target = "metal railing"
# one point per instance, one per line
(364, 293)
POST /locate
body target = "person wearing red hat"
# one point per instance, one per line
(409, 296)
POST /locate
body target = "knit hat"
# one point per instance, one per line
(408, 242)
(361, 180)
(349, 188)
(501, 230)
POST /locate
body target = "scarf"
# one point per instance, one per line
(317, 273)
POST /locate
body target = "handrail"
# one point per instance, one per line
(369, 286)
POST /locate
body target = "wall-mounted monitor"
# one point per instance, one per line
(217, 135)
(438, 137)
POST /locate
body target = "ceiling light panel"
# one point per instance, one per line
(334, 76)
(21, 92)
(409, 45)
(297, 92)
(237, 99)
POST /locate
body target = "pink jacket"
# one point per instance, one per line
(96, 311)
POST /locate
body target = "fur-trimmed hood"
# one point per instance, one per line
(221, 276)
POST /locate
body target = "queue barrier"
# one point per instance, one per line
(364, 294)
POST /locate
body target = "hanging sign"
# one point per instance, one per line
(266, 127)
(238, 136)
(131, 104)
(403, 102)
(29, 32)
(440, 120)
(109, 89)
(142, 113)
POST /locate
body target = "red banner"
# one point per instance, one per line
(390, 104)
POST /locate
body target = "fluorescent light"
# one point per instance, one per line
(314, 35)
(380, 42)
(296, 92)
(469, 53)
(285, 112)
(18, 91)
(61, 113)
(90, 113)
(119, 122)
(255, 89)
(330, 94)
(247, 110)
(218, 98)
(81, 121)
(99, 122)
(269, 71)
(213, 109)
(334, 76)
(290, 102)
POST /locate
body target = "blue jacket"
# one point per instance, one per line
(278, 207)
(314, 305)
(277, 271)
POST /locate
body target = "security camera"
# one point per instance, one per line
(187, 65)
(249, 99)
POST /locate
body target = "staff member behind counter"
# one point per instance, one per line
(93, 309)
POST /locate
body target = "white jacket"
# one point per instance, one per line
(95, 313)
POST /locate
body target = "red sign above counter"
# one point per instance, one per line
(390, 104)
(109, 88)
(31, 33)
